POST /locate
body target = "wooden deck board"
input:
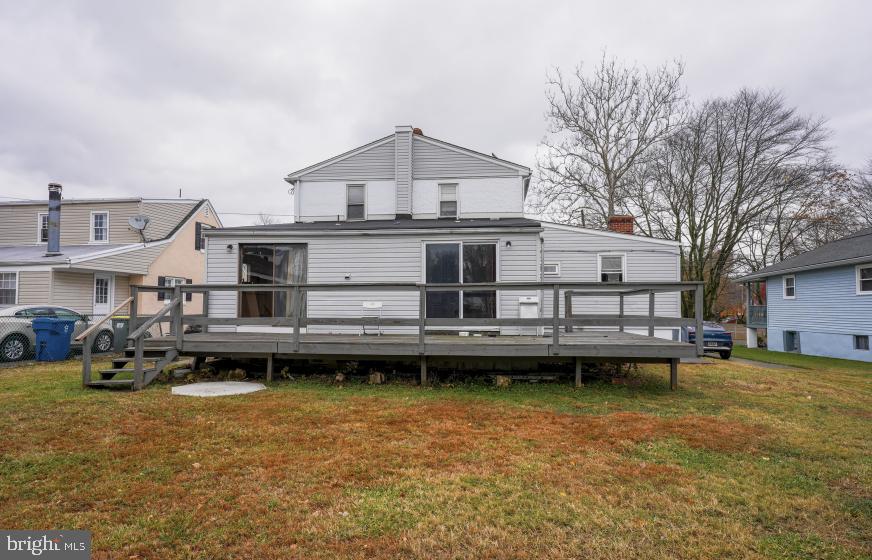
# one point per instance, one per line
(595, 344)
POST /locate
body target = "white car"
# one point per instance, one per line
(18, 341)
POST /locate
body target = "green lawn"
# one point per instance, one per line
(800, 360)
(741, 462)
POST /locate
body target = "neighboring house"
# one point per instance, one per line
(88, 256)
(411, 208)
(819, 302)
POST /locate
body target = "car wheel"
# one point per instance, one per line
(13, 348)
(103, 342)
(725, 355)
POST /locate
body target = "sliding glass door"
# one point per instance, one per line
(461, 263)
(271, 264)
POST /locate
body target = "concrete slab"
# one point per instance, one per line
(218, 388)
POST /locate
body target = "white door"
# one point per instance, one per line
(103, 288)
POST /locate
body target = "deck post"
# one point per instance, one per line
(86, 359)
(139, 348)
(697, 304)
(134, 308)
(269, 367)
(673, 373)
(651, 313)
(555, 324)
(567, 308)
(177, 312)
(577, 372)
(205, 306)
(297, 303)
(422, 325)
(423, 370)
(621, 312)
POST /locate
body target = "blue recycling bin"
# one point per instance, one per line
(53, 338)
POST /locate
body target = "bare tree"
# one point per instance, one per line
(715, 178)
(264, 219)
(601, 128)
(863, 196)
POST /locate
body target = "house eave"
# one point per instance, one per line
(818, 266)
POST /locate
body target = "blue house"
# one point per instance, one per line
(817, 303)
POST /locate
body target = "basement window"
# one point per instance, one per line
(861, 342)
(551, 269)
(791, 341)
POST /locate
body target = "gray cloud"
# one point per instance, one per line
(223, 99)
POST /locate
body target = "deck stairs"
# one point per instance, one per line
(155, 359)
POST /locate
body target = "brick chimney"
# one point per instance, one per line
(621, 224)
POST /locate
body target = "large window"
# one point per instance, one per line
(99, 227)
(356, 202)
(611, 268)
(8, 288)
(271, 264)
(448, 201)
(864, 279)
(461, 263)
(42, 227)
(789, 284)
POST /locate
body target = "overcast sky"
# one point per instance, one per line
(223, 99)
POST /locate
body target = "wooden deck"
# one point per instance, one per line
(586, 344)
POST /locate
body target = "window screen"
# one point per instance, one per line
(611, 268)
(447, 201)
(789, 286)
(865, 279)
(356, 202)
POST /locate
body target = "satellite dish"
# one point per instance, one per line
(138, 222)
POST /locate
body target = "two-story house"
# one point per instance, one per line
(818, 302)
(84, 254)
(411, 208)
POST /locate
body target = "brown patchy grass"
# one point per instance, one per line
(741, 462)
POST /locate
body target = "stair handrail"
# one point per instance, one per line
(85, 333)
(138, 333)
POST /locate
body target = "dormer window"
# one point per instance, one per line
(42, 228)
(99, 227)
(448, 201)
(356, 202)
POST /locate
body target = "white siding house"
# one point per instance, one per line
(410, 208)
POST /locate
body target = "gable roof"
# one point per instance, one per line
(856, 248)
(378, 159)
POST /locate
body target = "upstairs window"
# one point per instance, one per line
(99, 227)
(42, 227)
(789, 287)
(447, 201)
(8, 288)
(356, 202)
(611, 268)
(864, 279)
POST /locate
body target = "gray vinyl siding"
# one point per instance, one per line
(389, 258)
(73, 290)
(434, 161)
(34, 287)
(163, 217)
(377, 162)
(131, 262)
(578, 252)
(826, 302)
(403, 154)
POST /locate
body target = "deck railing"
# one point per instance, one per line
(757, 316)
(563, 317)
